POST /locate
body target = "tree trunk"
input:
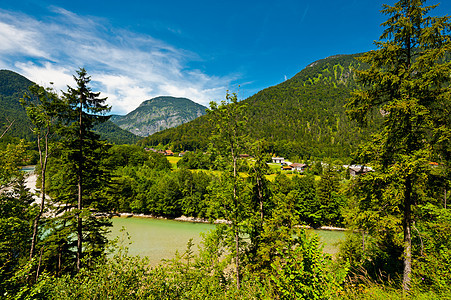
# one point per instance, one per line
(260, 197)
(43, 163)
(80, 189)
(237, 236)
(407, 226)
(79, 226)
(445, 197)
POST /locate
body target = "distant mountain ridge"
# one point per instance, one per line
(159, 113)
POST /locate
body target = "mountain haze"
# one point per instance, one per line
(158, 114)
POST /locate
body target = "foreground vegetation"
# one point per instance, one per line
(399, 243)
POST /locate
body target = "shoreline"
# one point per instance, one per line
(206, 221)
(180, 219)
(31, 177)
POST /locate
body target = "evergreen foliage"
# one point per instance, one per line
(408, 81)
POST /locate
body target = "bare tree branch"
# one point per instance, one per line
(7, 127)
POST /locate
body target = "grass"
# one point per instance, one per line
(173, 160)
(274, 167)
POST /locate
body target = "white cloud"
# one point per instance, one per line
(125, 66)
(17, 39)
(46, 74)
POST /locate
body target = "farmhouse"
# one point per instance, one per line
(278, 160)
(358, 170)
(298, 167)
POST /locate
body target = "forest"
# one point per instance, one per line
(301, 118)
(53, 244)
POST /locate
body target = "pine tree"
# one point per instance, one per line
(408, 83)
(85, 109)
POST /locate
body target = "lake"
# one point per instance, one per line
(160, 239)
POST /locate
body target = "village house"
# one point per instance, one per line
(286, 168)
(278, 160)
(298, 167)
(358, 170)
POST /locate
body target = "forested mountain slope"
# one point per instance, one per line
(158, 114)
(12, 88)
(303, 116)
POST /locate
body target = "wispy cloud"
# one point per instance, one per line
(125, 66)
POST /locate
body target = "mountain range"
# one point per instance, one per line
(301, 117)
(158, 114)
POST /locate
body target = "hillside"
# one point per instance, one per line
(303, 116)
(12, 88)
(158, 114)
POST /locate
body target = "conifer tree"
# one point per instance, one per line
(85, 109)
(408, 83)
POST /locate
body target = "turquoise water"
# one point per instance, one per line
(28, 169)
(157, 238)
(160, 239)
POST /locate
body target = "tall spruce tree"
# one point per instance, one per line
(85, 109)
(408, 83)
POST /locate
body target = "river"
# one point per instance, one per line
(160, 239)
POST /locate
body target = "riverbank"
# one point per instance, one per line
(181, 218)
(218, 221)
(31, 178)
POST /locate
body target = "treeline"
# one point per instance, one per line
(144, 183)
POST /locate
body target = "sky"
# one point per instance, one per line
(135, 50)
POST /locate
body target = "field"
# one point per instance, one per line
(275, 168)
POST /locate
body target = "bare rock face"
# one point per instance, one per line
(158, 114)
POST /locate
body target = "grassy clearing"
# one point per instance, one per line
(275, 168)
(173, 160)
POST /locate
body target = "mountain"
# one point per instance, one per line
(12, 88)
(302, 117)
(158, 114)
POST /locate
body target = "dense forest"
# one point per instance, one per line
(301, 118)
(53, 244)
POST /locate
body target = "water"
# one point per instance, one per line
(157, 238)
(28, 169)
(160, 239)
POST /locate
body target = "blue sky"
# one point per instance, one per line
(135, 50)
